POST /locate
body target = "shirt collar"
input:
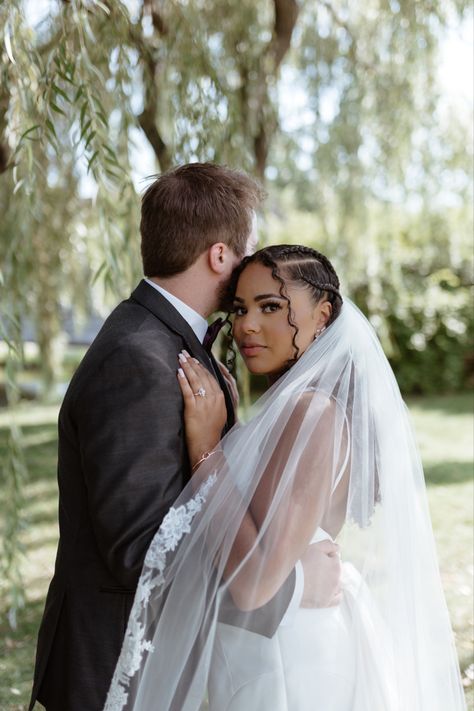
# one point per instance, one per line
(197, 322)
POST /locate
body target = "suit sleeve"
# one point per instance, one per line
(132, 447)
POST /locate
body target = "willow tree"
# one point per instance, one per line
(195, 80)
(379, 168)
(199, 80)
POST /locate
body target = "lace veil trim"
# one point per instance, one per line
(175, 525)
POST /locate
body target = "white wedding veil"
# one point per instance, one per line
(329, 446)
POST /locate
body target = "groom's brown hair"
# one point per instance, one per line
(190, 208)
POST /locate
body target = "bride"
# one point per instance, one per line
(328, 453)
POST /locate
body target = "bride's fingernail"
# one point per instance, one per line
(181, 373)
(186, 353)
(182, 358)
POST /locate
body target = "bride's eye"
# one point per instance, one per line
(238, 311)
(270, 307)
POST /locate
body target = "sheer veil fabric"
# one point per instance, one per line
(329, 448)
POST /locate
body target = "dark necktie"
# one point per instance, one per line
(212, 333)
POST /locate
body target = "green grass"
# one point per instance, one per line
(17, 647)
(444, 429)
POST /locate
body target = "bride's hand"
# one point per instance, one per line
(322, 575)
(205, 412)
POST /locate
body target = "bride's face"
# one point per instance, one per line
(261, 328)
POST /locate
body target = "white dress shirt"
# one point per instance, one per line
(197, 322)
(199, 325)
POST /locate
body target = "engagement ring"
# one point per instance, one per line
(201, 393)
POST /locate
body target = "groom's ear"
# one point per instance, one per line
(218, 255)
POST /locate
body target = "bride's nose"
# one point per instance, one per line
(250, 323)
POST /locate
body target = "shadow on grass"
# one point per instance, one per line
(459, 404)
(40, 451)
(448, 473)
(43, 543)
(41, 461)
(45, 518)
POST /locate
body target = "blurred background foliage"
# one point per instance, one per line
(336, 106)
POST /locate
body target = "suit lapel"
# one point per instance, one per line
(228, 399)
(153, 301)
(160, 307)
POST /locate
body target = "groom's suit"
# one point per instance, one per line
(122, 463)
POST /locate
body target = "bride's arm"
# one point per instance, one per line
(287, 506)
(285, 509)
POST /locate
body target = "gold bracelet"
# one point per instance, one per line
(205, 456)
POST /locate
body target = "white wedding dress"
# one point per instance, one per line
(312, 664)
(307, 665)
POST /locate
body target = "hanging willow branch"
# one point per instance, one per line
(14, 471)
(52, 117)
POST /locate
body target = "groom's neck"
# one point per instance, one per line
(192, 289)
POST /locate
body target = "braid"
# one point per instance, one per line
(297, 249)
(323, 287)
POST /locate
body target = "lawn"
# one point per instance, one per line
(444, 429)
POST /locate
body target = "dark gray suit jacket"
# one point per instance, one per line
(122, 463)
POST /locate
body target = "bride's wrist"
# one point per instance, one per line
(198, 456)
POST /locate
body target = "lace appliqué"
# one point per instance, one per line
(175, 525)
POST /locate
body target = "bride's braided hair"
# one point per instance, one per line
(297, 263)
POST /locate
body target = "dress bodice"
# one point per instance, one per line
(321, 535)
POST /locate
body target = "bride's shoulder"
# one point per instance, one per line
(312, 392)
(312, 398)
(320, 400)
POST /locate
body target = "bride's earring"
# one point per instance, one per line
(319, 332)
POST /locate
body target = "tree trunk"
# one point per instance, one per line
(286, 14)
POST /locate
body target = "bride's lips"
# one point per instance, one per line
(251, 349)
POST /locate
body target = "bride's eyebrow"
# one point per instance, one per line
(261, 297)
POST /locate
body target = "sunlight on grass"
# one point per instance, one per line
(444, 428)
(28, 415)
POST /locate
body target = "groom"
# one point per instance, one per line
(122, 453)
